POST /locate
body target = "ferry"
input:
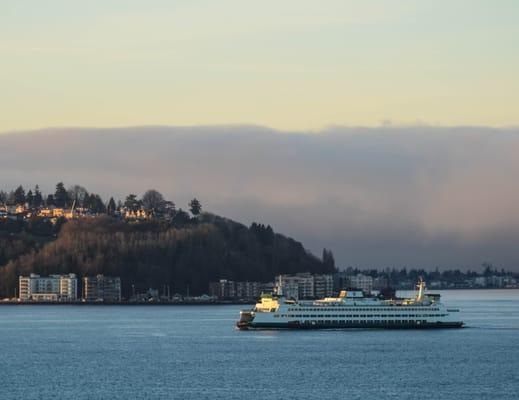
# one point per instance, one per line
(352, 309)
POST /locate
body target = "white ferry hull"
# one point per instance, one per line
(349, 325)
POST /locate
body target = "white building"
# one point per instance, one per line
(50, 288)
(480, 281)
(298, 286)
(361, 281)
(304, 286)
(289, 289)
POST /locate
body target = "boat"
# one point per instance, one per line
(352, 309)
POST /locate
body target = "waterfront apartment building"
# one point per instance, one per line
(248, 290)
(225, 289)
(323, 286)
(47, 288)
(101, 288)
(347, 280)
(304, 286)
(298, 286)
(363, 282)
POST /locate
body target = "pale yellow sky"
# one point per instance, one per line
(285, 64)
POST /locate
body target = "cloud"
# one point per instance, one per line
(387, 196)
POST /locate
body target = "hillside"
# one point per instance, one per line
(155, 253)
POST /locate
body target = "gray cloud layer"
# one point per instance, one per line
(389, 196)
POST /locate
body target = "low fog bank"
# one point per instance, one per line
(378, 197)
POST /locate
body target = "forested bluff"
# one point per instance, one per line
(145, 241)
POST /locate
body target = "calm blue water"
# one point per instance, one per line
(194, 352)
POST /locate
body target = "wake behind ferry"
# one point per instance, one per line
(351, 310)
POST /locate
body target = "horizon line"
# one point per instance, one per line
(324, 129)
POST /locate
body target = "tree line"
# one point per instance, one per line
(183, 249)
(77, 196)
(396, 275)
(153, 253)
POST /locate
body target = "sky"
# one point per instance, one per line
(380, 197)
(289, 65)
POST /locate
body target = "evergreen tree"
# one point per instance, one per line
(11, 198)
(96, 204)
(328, 259)
(132, 202)
(61, 197)
(265, 234)
(111, 206)
(180, 219)
(29, 198)
(38, 198)
(50, 201)
(19, 195)
(87, 202)
(195, 207)
(487, 269)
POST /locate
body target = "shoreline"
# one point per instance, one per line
(122, 303)
(171, 303)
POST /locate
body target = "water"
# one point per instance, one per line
(194, 352)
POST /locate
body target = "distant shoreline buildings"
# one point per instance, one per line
(29, 215)
(301, 286)
(306, 286)
(64, 288)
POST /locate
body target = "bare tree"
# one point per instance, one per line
(152, 200)
(78, 193)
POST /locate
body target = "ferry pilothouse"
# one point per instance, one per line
(351, 310)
